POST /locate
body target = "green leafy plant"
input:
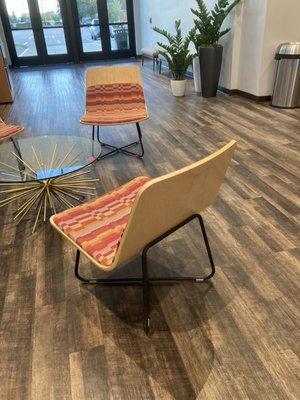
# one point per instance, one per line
(177, 52)
(207, 30)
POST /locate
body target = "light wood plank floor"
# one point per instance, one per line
(234, 338)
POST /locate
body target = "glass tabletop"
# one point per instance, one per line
(44, 157)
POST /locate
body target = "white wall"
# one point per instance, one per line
(251, 45)
(258, 26)
(165, 12)
(282, 25)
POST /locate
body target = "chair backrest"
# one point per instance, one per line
(110, 75)
(166, 201)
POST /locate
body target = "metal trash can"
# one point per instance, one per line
(286, 92)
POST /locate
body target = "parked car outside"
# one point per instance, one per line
(95, 29)
(86, 21)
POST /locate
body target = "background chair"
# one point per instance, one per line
(151, 53)
(8, 132)
(115, 96)
(133, 218)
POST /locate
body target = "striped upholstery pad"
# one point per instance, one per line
(97, 226)
(115, 103)
(7, 131)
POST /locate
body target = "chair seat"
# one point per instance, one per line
(97, 226)
(8, 131)
(149, 51)
(115, 103)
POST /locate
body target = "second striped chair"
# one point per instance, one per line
(8, 132)
(115, 96)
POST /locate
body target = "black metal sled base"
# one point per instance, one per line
(144, 279)
(124, 149)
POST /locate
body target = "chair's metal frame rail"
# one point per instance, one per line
(145, 280)
(123, 149)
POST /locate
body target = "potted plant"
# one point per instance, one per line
(178, 57)
(205, 36)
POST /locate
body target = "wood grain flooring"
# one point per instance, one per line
(236, 337)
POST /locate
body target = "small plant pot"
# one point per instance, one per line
(178, 87)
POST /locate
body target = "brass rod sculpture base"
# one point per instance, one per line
(45, 194)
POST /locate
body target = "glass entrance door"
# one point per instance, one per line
(90, 30)
(35, 31)
(51, 31)
(53, 27)
(105, 28)
(118, 25)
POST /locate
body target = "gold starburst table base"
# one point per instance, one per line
(47, 194)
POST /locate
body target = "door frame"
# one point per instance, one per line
(106, 52)
(71, 27)
(42, 57)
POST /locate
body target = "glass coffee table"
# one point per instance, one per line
(45, 172)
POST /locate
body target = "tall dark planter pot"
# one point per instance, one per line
(210, 68)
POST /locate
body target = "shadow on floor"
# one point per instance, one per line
(179, 338)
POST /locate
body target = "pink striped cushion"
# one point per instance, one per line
(97, 226)
(8, 131)
(113, 104)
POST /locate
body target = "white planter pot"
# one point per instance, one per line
(178, 87)
(196, 73)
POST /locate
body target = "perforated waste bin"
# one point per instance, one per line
(286, 92)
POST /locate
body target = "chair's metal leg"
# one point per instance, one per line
(114, 281)
(114, 148)
(140, 142)
(160, 65)
(140, 138)
(123, 149)
(142, 59)
(78, 276)
(212, 264)
(145, 280)
(17, 148)
(146, 300)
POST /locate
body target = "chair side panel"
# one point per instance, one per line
(167, 201)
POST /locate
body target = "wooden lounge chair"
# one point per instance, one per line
(134, 217)
(115, 96)
(8, 132)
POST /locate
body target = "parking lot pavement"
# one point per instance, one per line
(88, 44)
(55, 42)
(24, 42)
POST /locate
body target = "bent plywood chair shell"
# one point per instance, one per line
(110, 75)
(166, 201)
(118, 106)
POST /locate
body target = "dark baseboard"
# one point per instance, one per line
(230, 92)
(237, 92)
